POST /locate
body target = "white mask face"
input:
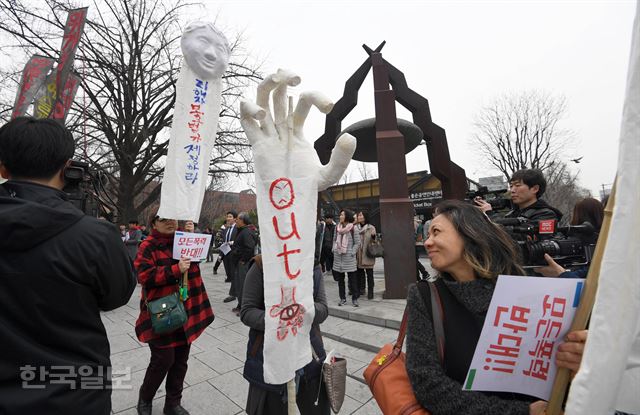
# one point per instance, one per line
(205, 49)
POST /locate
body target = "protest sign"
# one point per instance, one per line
(191, 245)
(526, 321)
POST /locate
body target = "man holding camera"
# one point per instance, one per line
(58, 270)
(526, 187)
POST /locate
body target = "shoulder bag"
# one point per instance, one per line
(387, 375)
(168, 313)
(375, 249)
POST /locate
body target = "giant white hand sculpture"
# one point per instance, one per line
(288, 178)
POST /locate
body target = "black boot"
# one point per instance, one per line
(175, 410)
(144, 408)
(370, 293)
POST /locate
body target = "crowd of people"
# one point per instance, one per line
(76, 267)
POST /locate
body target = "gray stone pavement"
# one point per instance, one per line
(214, 382)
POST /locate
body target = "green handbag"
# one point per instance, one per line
(167, 313)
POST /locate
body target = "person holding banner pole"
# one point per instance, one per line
(469, 252)
(160, 275)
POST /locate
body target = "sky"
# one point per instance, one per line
(460, 56)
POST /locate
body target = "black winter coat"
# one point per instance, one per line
(58, 269)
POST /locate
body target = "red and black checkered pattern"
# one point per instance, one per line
(159, 275)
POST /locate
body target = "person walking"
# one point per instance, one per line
(160, 274)
(346, 242)
(218, 239)
(365, 262)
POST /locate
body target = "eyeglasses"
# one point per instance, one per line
(159, 219)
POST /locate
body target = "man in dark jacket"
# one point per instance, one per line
(241, 253)
(326, 254)
(58, 269)
(526, 187)
(230, 234)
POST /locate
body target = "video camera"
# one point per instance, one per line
(569, 246)
(497, 202)
(81, 187)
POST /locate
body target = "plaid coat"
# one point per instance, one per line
(159, 275)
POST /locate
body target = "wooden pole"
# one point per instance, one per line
(586, 304)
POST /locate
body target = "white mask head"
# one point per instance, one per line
(205, 49)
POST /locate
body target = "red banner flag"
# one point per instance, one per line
(72, 32)
(33, 76)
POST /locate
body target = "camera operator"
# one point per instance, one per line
(586, 210)
(526, 187)
(59, 269)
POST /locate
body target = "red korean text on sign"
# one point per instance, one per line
(502, 355)
(547, 331)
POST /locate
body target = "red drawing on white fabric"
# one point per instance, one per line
(281, 193)
(290, 313)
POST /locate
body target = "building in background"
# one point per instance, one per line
(425, 191)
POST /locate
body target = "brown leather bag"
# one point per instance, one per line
(388, 380)
(387, 375)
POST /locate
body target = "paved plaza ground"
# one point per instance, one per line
(214, 384)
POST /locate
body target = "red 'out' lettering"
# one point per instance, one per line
(294, 228)
(281, 193)
(285, 253)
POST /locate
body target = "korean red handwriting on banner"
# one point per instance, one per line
(505, 351)
(72, 35)
(288, 311)
(547, 331)
(196, 117)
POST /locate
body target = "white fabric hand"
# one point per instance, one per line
(278, 142)
(288, 178)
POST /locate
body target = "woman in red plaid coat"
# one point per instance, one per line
(159, 276)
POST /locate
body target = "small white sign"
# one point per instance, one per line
(191, 245)
(527, 319)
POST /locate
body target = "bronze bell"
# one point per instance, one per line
(365, 133)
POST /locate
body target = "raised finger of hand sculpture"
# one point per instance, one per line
(288, 178)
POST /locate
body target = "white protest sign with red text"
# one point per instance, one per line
(191, 245)
(526, 321)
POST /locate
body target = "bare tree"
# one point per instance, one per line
(563, 190)
(129, 58)
(521, 130)
(366, 171)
